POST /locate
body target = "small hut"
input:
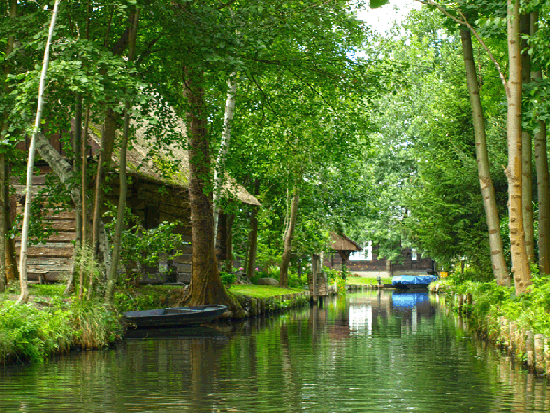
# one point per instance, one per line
(343, 246)
(157, 192)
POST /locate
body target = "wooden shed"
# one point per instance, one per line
(343, 246)
(157, 192)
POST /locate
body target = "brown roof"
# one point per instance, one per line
(343, 243)
(166, 164)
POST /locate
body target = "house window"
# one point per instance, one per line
(413, 255)
(369, 250)
(366, 254)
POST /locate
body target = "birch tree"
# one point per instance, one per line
(500, 270)
(23, 298)
(520, 262)
(543, 176)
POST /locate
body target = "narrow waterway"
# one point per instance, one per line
(372, 352)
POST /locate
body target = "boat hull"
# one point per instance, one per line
(409, 282)
(174, 317)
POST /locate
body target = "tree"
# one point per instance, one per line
(23, 298)
(520, 262)
(541, 163)
(487, 188)
(123, 189)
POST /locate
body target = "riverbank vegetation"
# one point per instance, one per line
(520, 324)
(51, 323)
(293, 120)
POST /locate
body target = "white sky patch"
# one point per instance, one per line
(382, 18)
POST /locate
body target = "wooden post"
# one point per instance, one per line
(539, 352)
(530, 348)
(315, 271)
(504, 331)
(513, 333)
(469, 301)
(547, 355)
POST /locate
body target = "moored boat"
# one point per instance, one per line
(174, 317)
(412, 281)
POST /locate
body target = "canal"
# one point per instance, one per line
(371, 352)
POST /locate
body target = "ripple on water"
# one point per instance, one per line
(364, 356)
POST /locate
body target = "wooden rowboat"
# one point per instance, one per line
(174, 317)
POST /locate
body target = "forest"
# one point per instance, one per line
(431, 135)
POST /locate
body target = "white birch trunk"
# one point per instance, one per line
(224, 147)
(520, 263)
(543, 178)
(500, 270)
(23, 298)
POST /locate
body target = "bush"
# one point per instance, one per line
(30, 334)
(530, 310)
(95, 325)
(228, 278)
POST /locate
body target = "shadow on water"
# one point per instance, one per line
(372, 352)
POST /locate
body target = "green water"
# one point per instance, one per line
(369, 353)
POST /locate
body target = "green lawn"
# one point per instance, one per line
(262, 291)
(366, 280)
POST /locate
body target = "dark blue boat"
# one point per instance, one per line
(412, 281)
(174, 317)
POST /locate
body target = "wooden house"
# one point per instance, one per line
(367, 262)
(157, 192)
(344, 247)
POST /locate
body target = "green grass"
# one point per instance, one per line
(366, 280)
(262, 291)
(50, 290)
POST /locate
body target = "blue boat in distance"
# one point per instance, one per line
(412, 281)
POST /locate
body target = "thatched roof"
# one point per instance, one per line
(343, 243)
(166, 164)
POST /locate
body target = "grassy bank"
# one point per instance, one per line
(352, 280)
(262, 291)
(51, 323)
(509, 320)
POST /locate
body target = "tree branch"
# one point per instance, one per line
(464, 22)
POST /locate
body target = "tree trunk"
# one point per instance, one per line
(287, 240)
(206, 285)
(500, 270)
(543, 179)
(520, 262)
(4, 211)
(23, 298)
(219, 168)
(5, 221)
(123, 190)
(107, 144)
(526, 150)
(252, 243)
(389, 268)
(253, 236)
(229, 243)
(77, 161)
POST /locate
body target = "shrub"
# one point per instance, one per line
(30, 334)
(228, 278)
(95, 325)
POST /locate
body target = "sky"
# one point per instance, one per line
(382, 18)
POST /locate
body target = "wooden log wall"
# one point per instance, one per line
(52, 260)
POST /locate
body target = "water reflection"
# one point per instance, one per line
(373, 352)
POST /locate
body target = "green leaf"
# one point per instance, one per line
(374, 4)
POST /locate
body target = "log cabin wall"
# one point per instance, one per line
(405, 263)
(153, 203)
(52, 260)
